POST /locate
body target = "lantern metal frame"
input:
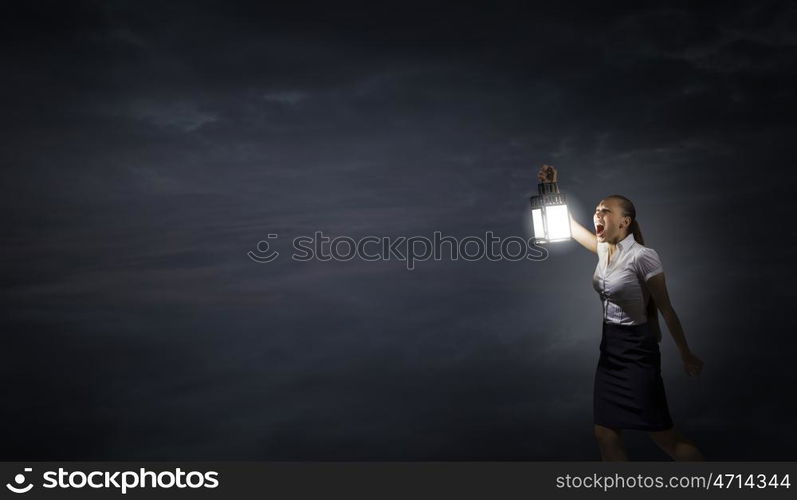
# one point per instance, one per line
(548, 195)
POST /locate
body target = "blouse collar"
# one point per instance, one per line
(627, 242)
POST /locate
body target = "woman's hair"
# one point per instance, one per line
(630, 211)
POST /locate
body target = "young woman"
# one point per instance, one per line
(629, 278)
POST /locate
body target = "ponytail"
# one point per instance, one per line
(636, 232)
(630, 211)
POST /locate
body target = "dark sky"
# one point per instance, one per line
(148, 146)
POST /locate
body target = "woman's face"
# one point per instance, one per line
(610, 224)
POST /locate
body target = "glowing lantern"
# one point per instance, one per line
(549, 215)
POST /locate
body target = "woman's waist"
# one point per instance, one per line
(625, 337)
(626, 325)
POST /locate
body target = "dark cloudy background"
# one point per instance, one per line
(147, 147)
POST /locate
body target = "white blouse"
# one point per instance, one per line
(621, 283)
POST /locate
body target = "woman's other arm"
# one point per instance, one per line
(584, 236)
(658, 290)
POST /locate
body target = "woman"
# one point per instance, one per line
(629, 392)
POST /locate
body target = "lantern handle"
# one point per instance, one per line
(548, 188)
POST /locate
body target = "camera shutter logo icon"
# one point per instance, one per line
(19, 480)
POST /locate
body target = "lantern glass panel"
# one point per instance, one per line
(558, 222)
(539, 229)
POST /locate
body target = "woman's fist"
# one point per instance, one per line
(547, 173)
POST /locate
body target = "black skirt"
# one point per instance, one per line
(629, 392)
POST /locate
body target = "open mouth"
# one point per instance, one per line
(599, 228)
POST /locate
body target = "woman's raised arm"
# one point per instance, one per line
(584, 236)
